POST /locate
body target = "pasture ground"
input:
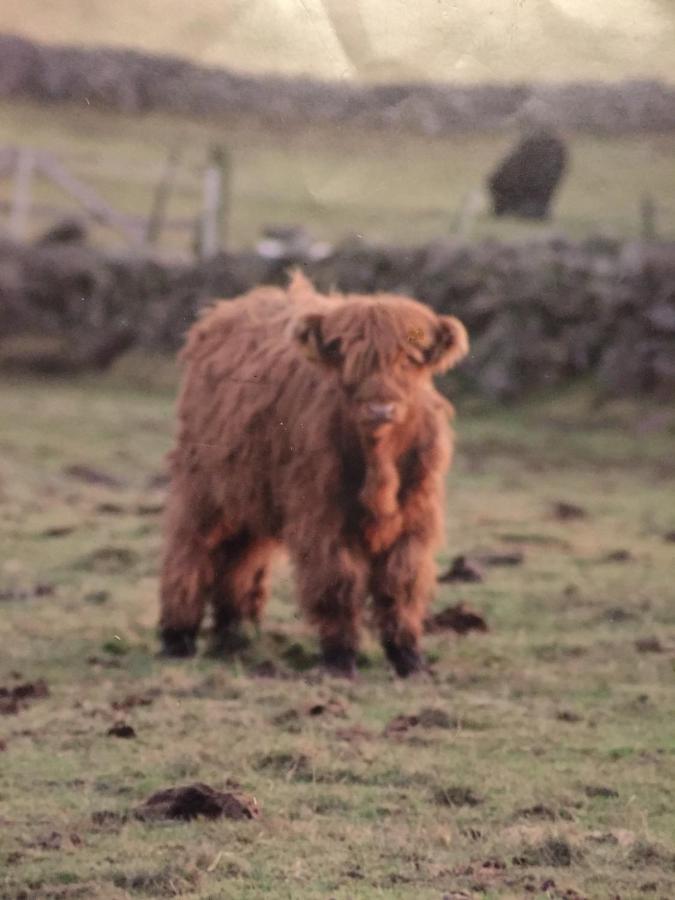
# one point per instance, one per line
(540, 759)
(336, 181)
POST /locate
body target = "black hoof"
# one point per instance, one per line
(405, 659)
(179, 642)
(340, 661)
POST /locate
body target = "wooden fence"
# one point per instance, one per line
(27, 208)
(205, 232)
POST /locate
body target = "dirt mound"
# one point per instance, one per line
(462, 569)
(17, 697)
(460, 619)
(196, 800)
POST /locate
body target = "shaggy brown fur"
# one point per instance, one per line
(310, 422)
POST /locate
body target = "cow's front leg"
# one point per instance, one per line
(402, 583)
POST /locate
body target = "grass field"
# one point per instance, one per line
(542, 759)
(338, 181)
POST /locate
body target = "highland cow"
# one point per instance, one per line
(311, 423)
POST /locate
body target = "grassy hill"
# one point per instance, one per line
(376, 39)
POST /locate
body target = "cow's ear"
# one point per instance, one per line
(451, 344)
(308, 332)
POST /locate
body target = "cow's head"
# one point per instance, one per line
(384, 349)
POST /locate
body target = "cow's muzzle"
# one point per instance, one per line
(379, 413)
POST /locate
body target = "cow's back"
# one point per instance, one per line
(242, 373)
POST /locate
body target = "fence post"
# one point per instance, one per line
(98, 208)
(648, 217)
(160, 200)
(215, 204)
(21, 193)
(468, 211)
(224, 161)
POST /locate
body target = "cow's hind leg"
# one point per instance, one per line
(240, 588)
(186, 577)
(333, 589)
(401, 585)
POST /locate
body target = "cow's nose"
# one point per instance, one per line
(380, 412)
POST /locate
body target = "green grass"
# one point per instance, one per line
(498, 799)
(337, 181)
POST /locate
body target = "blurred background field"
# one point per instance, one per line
(396, 187)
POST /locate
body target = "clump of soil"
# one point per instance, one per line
(457, 795)
(353, 734)
(109, 819)
(426, 718)
(649, 645)
(41, 589)
(567, 715)
(330, 707)
(57, 531)
(503, 559)
(194, 800)
(110, 509)
(460, 619)
(109, 560)
(555, 852)
(600, 790)
(462, 569)
(89, 475)
(132, 700)
(121, 730)
(14, 699)
(54, 840)
(291, 719)
(618, 556)
(543, 813)
(567, 512)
